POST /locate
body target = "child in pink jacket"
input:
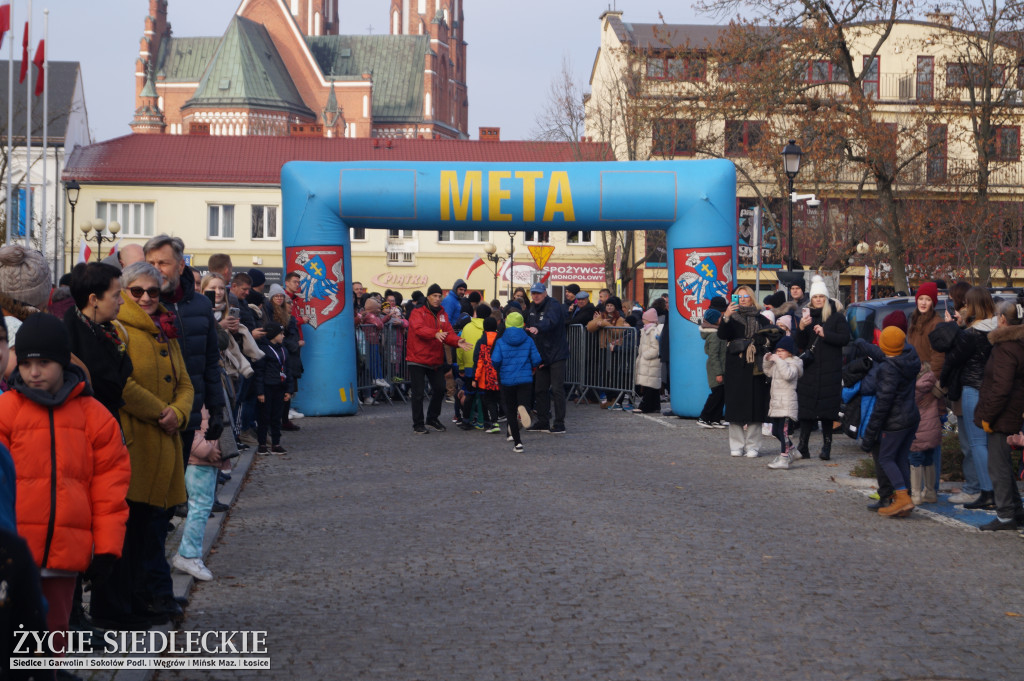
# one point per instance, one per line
(927, 438)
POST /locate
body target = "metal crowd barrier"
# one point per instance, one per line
(381, 368)
(603, 362)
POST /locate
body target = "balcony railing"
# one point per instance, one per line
(906, 88)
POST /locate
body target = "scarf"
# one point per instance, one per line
(750, 318)
(105, 331)
(165, 323)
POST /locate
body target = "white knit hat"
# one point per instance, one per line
(24, 275)
(818, 287)
(769, 315)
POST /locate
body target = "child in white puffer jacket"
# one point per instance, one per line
(784, 368)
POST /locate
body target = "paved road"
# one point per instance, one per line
(632, 548)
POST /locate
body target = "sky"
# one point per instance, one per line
(514, 49)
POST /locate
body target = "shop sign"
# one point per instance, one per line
(395, 280)
(577, 272)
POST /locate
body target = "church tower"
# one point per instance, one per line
(315, 17)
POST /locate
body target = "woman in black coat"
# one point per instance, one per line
(746, 387)
(824, 330)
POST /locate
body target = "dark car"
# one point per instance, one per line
(864, 317)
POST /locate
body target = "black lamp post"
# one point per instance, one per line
(99, 227)
(791, 160)
(511, 263)
(71, 189)
(491, 253)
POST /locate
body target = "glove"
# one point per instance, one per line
(986, 426)
(100, 568)
(214, 427)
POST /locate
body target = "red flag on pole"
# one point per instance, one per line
(39, 60)
(24, 56)
(5, 19)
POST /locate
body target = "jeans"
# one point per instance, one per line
(201, 483)
(978, 445)
(550, 376)
(419, 375)
(921, 458)
(894, 456)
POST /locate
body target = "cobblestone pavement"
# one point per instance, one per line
(631, 548)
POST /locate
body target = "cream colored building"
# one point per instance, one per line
(222, 195)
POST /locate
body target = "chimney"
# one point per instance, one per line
(490, 134)
(940, 18)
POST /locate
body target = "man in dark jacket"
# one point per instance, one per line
(581, 310)
(545, 322)
(894, 419)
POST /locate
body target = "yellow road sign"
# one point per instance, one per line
(541, 255)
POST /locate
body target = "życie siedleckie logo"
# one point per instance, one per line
(701, 274)
(321, 281)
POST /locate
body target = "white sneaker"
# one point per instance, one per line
(382, 383)
(780, 462)
(517, 448)
(963, 498)
(524, 417)
(292, 415)
(192, 566)
(736, 452)
(752, 454)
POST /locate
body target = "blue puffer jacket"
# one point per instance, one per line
(197, 336)
(515, 354)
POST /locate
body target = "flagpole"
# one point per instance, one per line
(28, 135)
(10, 129)
(46, 146)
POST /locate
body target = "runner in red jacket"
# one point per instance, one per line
(429, 331)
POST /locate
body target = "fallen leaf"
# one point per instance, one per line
(1013, 614)
(829, 491)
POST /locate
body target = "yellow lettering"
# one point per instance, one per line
(559, 187)
(495, 194)
(529, 178)
(472, 194)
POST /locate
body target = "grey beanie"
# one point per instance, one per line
(24, 275)
(276, 290)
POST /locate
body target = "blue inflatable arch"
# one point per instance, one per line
(693, 201)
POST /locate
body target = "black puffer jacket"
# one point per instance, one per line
(819, 391)
(197, 336)
(894, 389)
(549, 319)
(967, 351)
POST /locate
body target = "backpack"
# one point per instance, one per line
(485, 374)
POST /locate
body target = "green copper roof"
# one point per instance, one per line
(247, 70)
(396, 63)
(184, 60)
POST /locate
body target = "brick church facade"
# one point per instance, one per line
(282, 68)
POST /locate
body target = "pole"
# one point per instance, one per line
(511, 264)
(29, 208)
(10, 126)
(789, 266)
(46, 111)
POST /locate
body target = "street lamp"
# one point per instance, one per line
(98, 226)
(511, 263)
(791, 161)
(71, 189)
(491, 253)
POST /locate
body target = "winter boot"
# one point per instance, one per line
(805, 436)
(928, 494)
(901, 504)
(826, 445)
(916, 477)
(985, 501)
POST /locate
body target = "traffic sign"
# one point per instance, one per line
(541, 254)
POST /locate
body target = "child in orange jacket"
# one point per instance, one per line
(71, 463)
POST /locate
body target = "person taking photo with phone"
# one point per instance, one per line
(746, 387)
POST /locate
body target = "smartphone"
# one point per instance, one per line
(233, 312)
(806, 313)
(735, 299)
(212, 295)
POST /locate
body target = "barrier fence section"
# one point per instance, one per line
(600, 363)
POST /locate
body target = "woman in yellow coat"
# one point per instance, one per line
(158, 400)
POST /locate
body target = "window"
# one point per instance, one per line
(579, 238)
(451, 236)
(936, 154)
(734, 72)
(741, 136)
(357, 233)
(534, 237)
(673, 137)
(221, 223)
(399, 233)
(1006, 143)
(136, 219)
(925, 79)
(822, 71)
(264, 222)
(870, 77)
(962, 75)
(401, 259)
(692, 68)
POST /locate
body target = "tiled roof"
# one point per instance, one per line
(184, 60)
(203, 160)
(62, 78)
(247, 71)
(395, 62)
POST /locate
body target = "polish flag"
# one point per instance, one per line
(472, 266)
(24, 56)
(84, 252)
(115, 249)
(5, 18)
(40, 60)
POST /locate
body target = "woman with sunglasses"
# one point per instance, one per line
(746, 388)
(158, 401)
